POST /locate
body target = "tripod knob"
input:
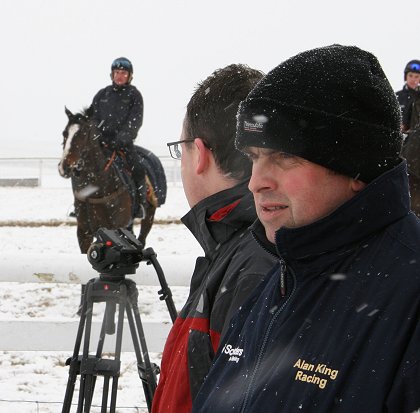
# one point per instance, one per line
(94, 253)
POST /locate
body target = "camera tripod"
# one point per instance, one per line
(113, 290)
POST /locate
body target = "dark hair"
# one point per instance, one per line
(211, 115)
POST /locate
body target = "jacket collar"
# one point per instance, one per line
(413, 92)
(211, 233)
(119, 88)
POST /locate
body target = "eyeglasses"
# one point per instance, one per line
(414, 66)
(175, 148)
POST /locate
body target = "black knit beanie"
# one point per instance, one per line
(332, 106)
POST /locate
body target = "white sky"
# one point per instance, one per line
(59, 52)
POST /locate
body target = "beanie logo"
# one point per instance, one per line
(253, 126)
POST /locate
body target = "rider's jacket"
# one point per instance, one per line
(406, 96)
(118, 111)
(345, 335)
(232, 267)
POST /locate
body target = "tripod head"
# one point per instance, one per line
(115, 253)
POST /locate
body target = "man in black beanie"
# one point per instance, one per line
(334, 327)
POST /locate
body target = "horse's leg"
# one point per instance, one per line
(84, 234)
(84, 237)
(414, 183)
(147, 222)
(120, 215)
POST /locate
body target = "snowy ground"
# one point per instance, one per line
(35, 381)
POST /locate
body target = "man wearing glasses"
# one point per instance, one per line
(215, 178)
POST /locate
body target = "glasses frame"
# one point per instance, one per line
(173, 150)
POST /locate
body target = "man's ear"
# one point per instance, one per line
(357, 185)
(203, 156)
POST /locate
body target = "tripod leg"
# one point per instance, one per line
(86, 390)
(105, 395)
(145, 369)
(74, 362)
(104, 327)
(118, 345)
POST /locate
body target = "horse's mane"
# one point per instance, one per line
(86, 113)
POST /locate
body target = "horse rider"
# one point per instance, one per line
(118, 110)
(410, 91)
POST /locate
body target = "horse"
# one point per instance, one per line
(103, 194)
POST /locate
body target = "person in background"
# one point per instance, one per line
(410, 91)
(335, 327)
(409, 99)
(118, 110)
(215, 179)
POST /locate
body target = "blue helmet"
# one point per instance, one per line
(122, 63)
(412, 66)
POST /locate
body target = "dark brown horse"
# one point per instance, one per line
(102, 196)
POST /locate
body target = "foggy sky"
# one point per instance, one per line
(59, 52)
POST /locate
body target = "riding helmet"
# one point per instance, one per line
(122, 63)
(412, 66)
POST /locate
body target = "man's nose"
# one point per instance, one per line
(260, 179)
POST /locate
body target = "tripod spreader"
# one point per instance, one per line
(122, 292)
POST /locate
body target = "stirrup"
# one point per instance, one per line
(141, 212)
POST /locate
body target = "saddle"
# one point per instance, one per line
(154, 172)
(155, 177)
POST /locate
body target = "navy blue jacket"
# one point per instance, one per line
(118, 111)
(406, 97)
(345, 337)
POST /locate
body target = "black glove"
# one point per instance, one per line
(125, 138)
(112, 145)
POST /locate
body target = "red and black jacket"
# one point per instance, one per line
(232, 267)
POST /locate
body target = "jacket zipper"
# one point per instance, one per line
(269, 329)
(282, 265)
(282, 277)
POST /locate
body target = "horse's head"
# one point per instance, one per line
(77, 139)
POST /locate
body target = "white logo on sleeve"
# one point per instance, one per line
(234, 353)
